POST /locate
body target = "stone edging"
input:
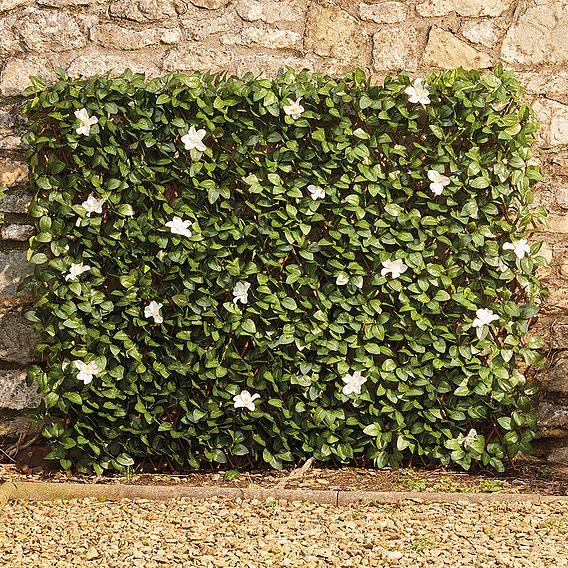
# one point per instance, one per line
(39, 491)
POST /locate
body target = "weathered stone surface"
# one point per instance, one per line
(43, 30)
(196, 57)
(199, 25)
(21, 233)
(6, 5)
(13, 269)
(398, 47)
(269, 65)
(552, 420)
(383, 13)
(16, 201)
(14, 393)
(553, 119)
(100, 64)
(559, 455)
(550, 84)
(445, 50)
(463, 7)
(333, 32)
(12, 172)
(61, 3)
(269, 38)
(12, 424)
(539, 35)
(12, 126)
(271, 11)
(119, 37)
(147, 10)
(16, 74)
(485, 32)
(555, 378)
(17, 339)
(9, 39)
(558, 164)
(210, 4)
(558, 223)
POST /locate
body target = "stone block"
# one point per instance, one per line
(559, 455)
(538, 36)
(16, 201)
(17, 339)
(547, 84)
(12, 424)
(6, 5)
(447, 51)
(12, 172)
(484, 32)
(147, 10)
(12, 232)
(333, 32)
(15, 76)
(101, 63)
(73, 3)
(46, 30)
(552, 421)
(14, 393)
(119, 37)
(12, 126)
(9, 41)
(13, 269)
(269, 38)
(555, 378)
(398, 47)
(210, 4)
(272, 11)
(473, 8)
(199, 25)
(268, 65)
(197, 58)
(383, 13)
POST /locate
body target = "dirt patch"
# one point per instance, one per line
(527, 476)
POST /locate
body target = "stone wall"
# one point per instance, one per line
(157, 36)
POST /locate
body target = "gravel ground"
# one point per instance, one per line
(196, 534)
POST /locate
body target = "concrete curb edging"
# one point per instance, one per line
(39, 491)
(7, 491)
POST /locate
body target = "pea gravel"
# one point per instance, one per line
(251, 534)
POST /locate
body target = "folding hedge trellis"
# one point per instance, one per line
(248, 271)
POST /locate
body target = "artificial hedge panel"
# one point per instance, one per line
(251, 271)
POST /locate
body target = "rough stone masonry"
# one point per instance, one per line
(157, 36)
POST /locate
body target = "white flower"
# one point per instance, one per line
(87, 370)
(520, 248)
(240, 292)
(484, 316)
(342, 279)
(179, 227)
(353, 383)
(245, 400)
(152, 310)
(439, 181)
(93, 205)
(418, 93)
(470, 438)
(86, 121)
(294, 109)
(76, 270)
(395, 267)
(194, 139)
(316, 192)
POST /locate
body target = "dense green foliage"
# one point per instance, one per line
(379, 230)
